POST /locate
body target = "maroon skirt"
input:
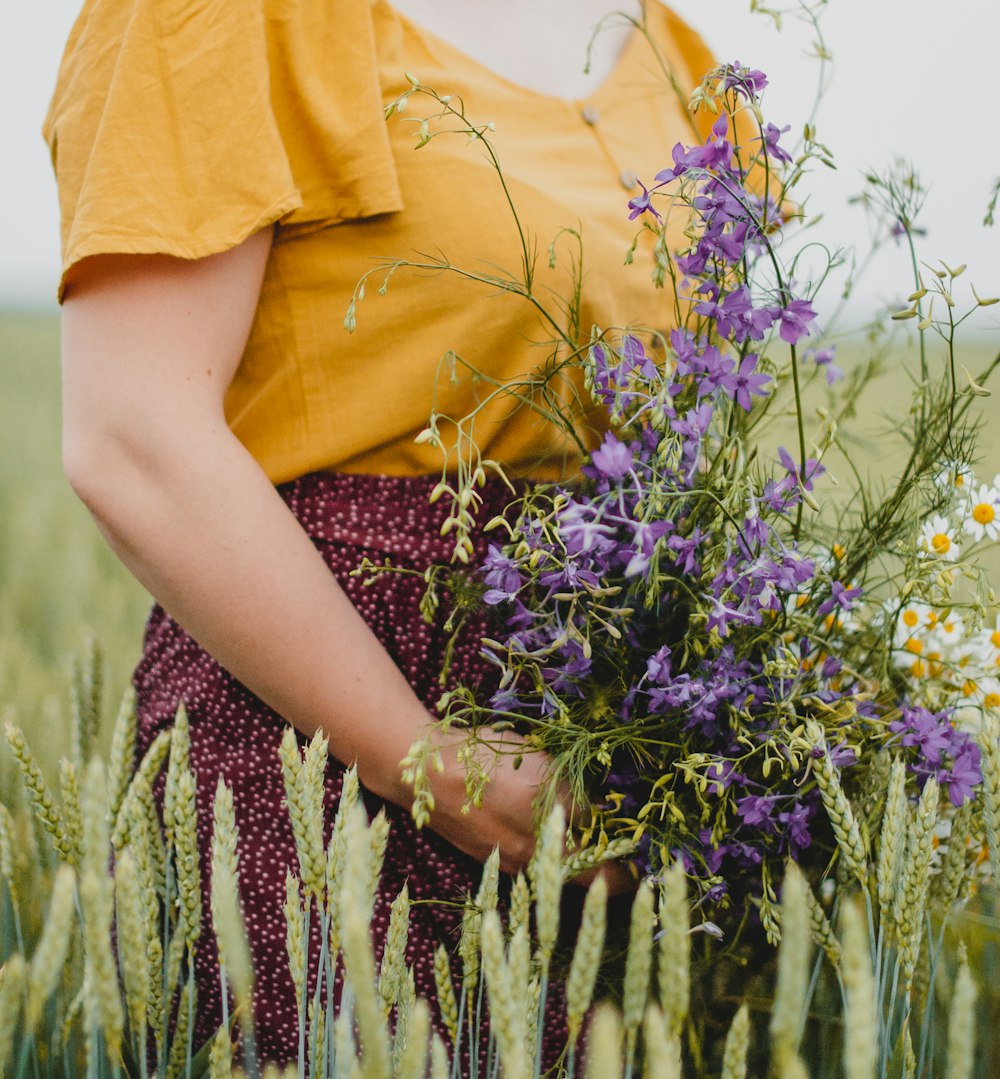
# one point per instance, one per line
(236, 736)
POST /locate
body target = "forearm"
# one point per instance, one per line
(198, 523)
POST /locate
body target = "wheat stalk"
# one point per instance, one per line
(447, 1002)
(663, 1049)
(306, 816)
(674, 951)
(413, 1058)
(638, 967)
(604, 1044)
(39, 794)
(586, 957)
(506, 1018)
(69, 791)
(7, 833)
(220, 1057)
(53, 944)
(105, 1000)
(186, 858)
(122, 753)
(838, 808)
(13, 979)
(989, 744)
(393, 965)
(892, 840)
(912, 895)
(793, 962)
(734, 1055)
(295, 937)
(860, 1016)
(961, 1024)
(133, 935)
(180, 762)
(147, 771)
(546, 874)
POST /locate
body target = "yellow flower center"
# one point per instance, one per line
(940, 542)
(968, 687)
(995, 638)
(992, 700)
(914, 646)
(910, 619)
(839, 551)
(919, 669)
(983, 513)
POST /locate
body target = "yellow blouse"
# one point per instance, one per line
(182, 126)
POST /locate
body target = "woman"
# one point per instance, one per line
(225, 177)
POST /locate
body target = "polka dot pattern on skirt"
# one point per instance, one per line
(236, 736)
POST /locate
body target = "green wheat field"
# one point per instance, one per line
(61, 590)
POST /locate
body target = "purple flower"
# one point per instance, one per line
(795, 319)
(840, 596)
(824, 357)
(772, 134)
(612, 458)
(965, 774)
(756, 811)
(502, 575)
(742, 80)
(641, 203)
(744, 383)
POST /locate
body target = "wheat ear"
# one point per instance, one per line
(989, 744)
(892, 843)
(591, 857)
(306, 817)
(295, 937)
(220, 1056)
(179, 762)
(663, 1049)
(860, 1015)
(520, 903)
(186, 1009)
(586, 957)
(950, 885)
(638, 966)
(50, 952)
(447, 1002)
(413, 1059)
(7, 833)
(547, 881)
(69, 791)
(186, 857)
(838, 808)
(909, 913)
(604, 1044)
(505, 1014)
(393, 965)
(231, 938)
(821, 930)
(41, 798)
(13, 978)
(734, 1055)
(793, 966)
(132, 938)
(961, 1024)
(121, 758)
(674, 950)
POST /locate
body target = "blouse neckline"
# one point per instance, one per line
(437, 44)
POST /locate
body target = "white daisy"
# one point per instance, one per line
(955, 477)
(938, 539)
(981, 511)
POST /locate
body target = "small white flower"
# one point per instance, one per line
(938, 539)
(981, 512)
(956, 477)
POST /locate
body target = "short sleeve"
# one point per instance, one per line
(183, 126)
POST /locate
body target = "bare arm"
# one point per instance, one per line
(150, 344)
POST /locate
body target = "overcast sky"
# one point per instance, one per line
(910, 78)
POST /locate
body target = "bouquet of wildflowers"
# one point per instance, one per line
(711, 641)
